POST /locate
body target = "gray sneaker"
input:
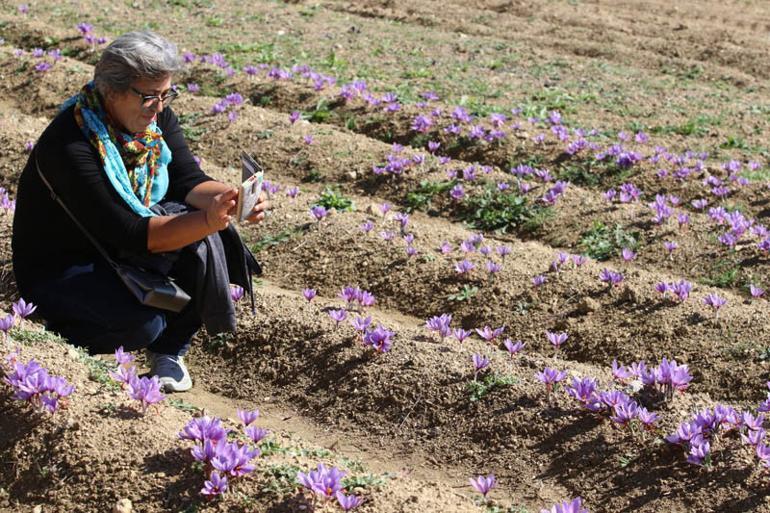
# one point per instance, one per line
(171, 371)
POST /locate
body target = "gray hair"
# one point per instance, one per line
(132, 56)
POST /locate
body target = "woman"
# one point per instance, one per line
(116, 156)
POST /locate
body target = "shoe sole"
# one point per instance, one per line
(171, 385)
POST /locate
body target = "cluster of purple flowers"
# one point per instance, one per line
(43, 61)
(87, 31)
(396, 163)
(229, 104)
(680, 290)
(223, 460)
(668, 376)
(32, 383)
(573, 506)
(626, 193)
(617, 405)
(697, 434)
(326, 483)
(143, 389)
(356, 296)
(6, 203)
(611, 278)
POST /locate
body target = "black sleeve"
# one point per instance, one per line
(184, 172)
(77, 176)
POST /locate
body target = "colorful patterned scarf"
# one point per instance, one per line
(136, 165)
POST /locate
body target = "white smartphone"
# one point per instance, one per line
(252, 175)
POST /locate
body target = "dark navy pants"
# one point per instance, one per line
(92, 308)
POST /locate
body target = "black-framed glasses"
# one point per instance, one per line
(149, 101)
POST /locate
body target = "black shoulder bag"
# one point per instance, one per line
(150, 288)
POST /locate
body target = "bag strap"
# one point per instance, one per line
(72, 216)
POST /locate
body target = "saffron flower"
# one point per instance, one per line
(338, 315)
(309, 294)
(236, 293)
(461, 334)
(122, 357)
(247, 417)
(539, 280)
(464, 267)
(513, 347)
(256, 434)
(573, 506)
(550, 377)
(489, 334)
(294, 116)
(716, 302)
(756, 291)
(203, 428)
(440, 324)
(367, 226)
(348, 502)
(609, 277)
(319, 212)
(379, 339)
(324, 482)
(483, 485)
(215, 485)
(556, 339)
(628, 254)
(22, 309)
(480, 362)
(146, 391)
(308, 139)
(6, 323)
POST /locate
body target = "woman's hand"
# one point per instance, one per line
(260, 210)
(218, 211)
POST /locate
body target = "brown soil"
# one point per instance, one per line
(410, 413)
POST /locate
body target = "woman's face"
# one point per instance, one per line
(126, 108)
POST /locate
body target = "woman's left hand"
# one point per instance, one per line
(260, 210)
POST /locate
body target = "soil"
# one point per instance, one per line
(414, 424)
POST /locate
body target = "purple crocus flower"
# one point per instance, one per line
(361, 323)
(215, 485)
(309, 294)
(236, 293)
(367, 226)
(609, 277)
(43, 66)
(460, 334)
(539, 280)
(294, 116)
(716, 302)
(123, 358)
(23, 8)
(256, 434)
(483, 485)
(628, 254)
(573, 506)
(308, 139)
(620, 372)
(319, 212)
(513, 347)
(124, 374)
(756, 291)
(338, 315)
(6, 323)
(556, 339)
(480, 362)
(323, 481)
(379, 339)
(440, 324)
(146, 391)
(247, 417)
(192, 87)
(670, 246)
(493, 268)
(23, 309)
(550, 377)
(203, 428)
(348, 502)
(489, 334)
(503, 251)
(464, 267)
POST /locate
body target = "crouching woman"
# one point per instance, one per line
(113, 176)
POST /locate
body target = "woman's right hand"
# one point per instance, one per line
(218, 212)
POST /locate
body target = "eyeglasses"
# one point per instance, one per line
(149, 101)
